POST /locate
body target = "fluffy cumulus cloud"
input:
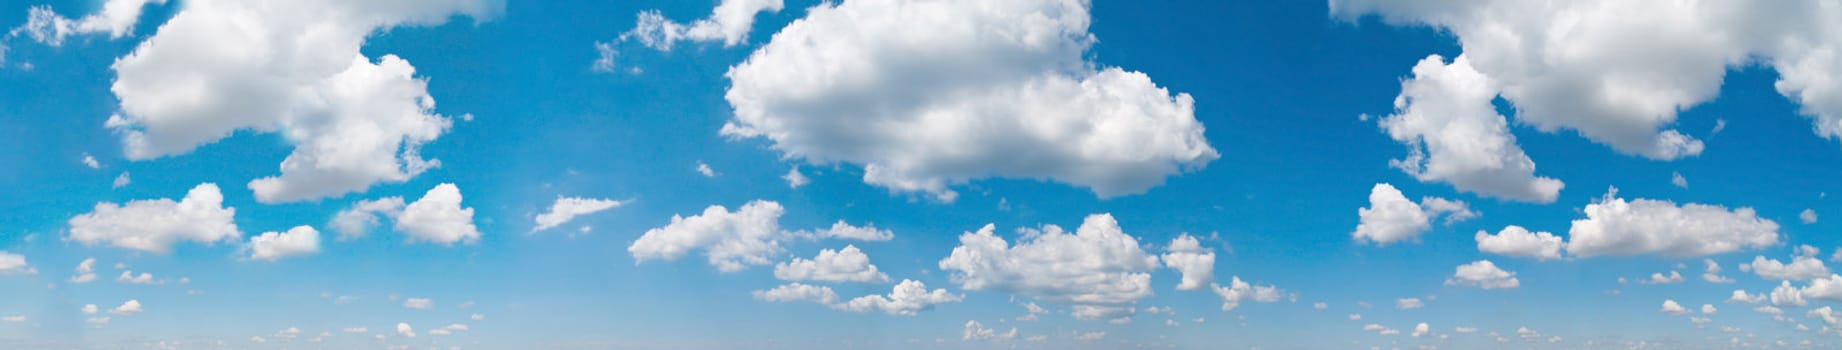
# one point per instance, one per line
(908, 298)
(128, 308)
(1454, 134)
(14, 263)
(1575, 65)
(730, 23)
(1519, 242)
(292, 68)
(1614, 226)
(1483, 274)
(568, 208)
(1674, 309)
(116, 18)
(438, 218)
(1238, 291)
(922, 110)
(1804, 266)
(846, 265)
(1391, 217)
(355, 221)
(731, 240)
(271, 246)
(1098, 268)
(153, 225)
(1197, 264)
(1712, 274)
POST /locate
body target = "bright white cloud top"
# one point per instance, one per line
(1391, 217)
(297, 241)
(1098, 269)
(354, 121)
(923, 110)
(568, 208)
(154, 225)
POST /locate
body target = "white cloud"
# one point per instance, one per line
(1238, 291)
(271, 246)
(1464, 330)
(438, 218)
(1408, 303)
(566, 208)
(357, 330)
(1708, 309)
(1740, 296)
(922, 110)
(91, 162)
(1824, 288)
(153, 225)
(212, 70)
(1786, 295)
(1483, 274)
(730, 23)
(908, 298)
(120, 181)
(604, 59)
(419, 303)
(846, 265)
(1678, 180)
(116, 18)
(1197, 264)
(1828, 315)
(1673, 309)
(1808, 216)
(795, 179)
(1421, 329)
(792, 292)
(128, 308)
(977, 331)
(1098, 268)
(405, 330)
(14, 263)
(130, 278)
(86, 271)
(1519, 242)
(705, 170)
(1445, 116)
(13, 318)
(1391, 217)
(1713, 272)
(362, 216)
(731, 240)
(89, 309)
(1802, 267)
(1574, 65)
(1614, 226)
(841, 230)
(1090, 336)
(1660, 278)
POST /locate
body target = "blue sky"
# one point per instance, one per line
(1260, 129)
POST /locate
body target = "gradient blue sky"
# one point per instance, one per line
(1282, 88)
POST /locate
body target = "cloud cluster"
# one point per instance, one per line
(1006, 93)
(438, 217)
(294, 69)
(1391, 217)
(1583, 66)
(1099, 268)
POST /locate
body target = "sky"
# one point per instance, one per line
(919, 174)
